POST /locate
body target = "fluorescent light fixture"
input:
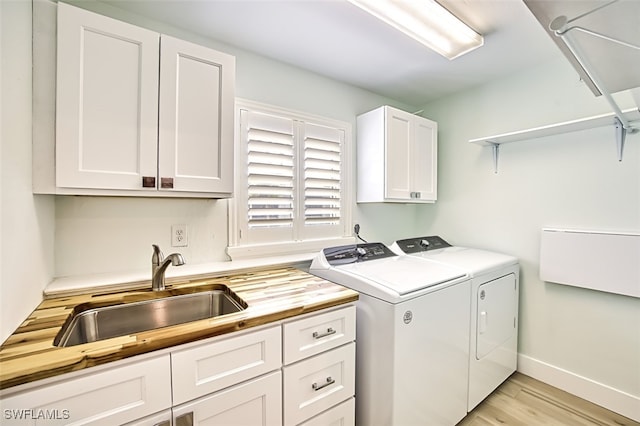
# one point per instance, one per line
(427, 22)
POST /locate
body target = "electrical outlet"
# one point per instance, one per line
(179, 237)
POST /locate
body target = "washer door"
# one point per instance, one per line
(496, 321)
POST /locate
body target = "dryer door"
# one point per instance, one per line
(496, 321)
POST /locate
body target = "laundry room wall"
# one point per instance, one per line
(26, 221)
(585, 340)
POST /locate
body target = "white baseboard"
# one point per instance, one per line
(610, 398)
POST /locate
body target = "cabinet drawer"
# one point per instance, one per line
(257, 402)
(113, 396)
(217, 365)
(340, 415)
(310, 336)
(318, 383)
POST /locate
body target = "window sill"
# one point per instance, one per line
(286, 248)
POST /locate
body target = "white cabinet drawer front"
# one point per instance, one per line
(113, 396)
(214, 366)
(254, 403)
(310, 336)
(318, 383)
(340, 415)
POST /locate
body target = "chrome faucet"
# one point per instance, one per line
(159, 264)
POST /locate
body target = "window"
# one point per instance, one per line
(292, 190)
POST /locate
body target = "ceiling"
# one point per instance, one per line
(338, 40)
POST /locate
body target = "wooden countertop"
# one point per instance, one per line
(271, 295)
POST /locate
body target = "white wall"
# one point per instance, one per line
(569, 181)
(26, 221)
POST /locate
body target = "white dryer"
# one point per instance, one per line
(494, 308)
(412, 334)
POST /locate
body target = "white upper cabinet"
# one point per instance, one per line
(107, 102)
(139, 113)
(196, 117)
(397, 157)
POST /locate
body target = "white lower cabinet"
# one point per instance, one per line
(341, 415)
(235, 379)
(318, 383)
(162, 418)
(319, 368)
(207, 368)
(257, 402)
(112, 396)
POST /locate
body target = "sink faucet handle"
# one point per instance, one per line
(157, 256)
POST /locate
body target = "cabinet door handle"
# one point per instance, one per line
(329, 332)
(417, 194)
(164, 423)
(185, 419)
(317, 387)
(148, 181)
(166, 182)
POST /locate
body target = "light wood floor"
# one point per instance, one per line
(522, 400)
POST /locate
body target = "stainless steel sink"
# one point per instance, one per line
(99, 323)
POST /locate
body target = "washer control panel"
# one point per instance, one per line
(356, 253)
(418, 244)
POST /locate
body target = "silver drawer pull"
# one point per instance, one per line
(329, 332)
(317, 387)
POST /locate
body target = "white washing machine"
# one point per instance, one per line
(494, 308)
(412, 334)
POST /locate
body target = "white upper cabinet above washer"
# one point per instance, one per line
(137, 113)
(397, 157)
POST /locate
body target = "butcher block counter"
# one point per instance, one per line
(29, 354)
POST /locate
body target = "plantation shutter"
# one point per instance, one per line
(321, 174)
(270, 171)
(291, 191)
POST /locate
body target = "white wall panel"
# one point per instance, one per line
(604, 261)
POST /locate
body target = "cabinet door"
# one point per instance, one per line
(106, 102)
(399, 133)
(196, 118)
(424, 159)
(341, 415)
(254, 403)
(496, 314)
(162, 418)
(110, 397)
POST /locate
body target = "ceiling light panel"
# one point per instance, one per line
(427, 22)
